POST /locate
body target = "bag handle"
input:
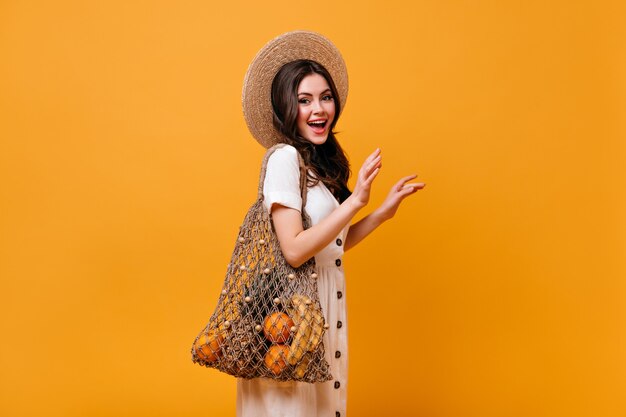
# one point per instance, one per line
(303, 176)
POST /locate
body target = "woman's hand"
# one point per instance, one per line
(399, 192)
(369, 170)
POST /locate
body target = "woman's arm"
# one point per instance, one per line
(299, 245)
(358, 231)
(386, 211)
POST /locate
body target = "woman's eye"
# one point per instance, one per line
(303, 100)
(328, 97)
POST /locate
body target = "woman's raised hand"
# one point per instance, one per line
(399, 191)
(369, 170)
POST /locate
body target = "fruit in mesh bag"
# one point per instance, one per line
(259, 296)
(276, 358)
(242, 348)
(277, 327)
(303, 366)
(309, 322)
(208, 346)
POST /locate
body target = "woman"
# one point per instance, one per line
(304, 106)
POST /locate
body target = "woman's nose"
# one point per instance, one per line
(317, 107)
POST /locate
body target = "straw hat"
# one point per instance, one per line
(257, 84)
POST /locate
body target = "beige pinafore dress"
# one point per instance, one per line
(263, 397)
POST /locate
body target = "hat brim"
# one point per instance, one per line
(291, 46)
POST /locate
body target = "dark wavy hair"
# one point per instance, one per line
(327, 161)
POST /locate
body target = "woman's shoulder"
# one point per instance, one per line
(283, 148)
(282, 153)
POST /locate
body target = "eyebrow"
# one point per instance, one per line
(309, 94)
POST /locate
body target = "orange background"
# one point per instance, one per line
(126, 168)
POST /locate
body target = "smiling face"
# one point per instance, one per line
(316, 108)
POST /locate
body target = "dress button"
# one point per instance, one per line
(338, 262)
(337, 354)
(339, 324)
(339, 294)
(337, 384)
(339, 242)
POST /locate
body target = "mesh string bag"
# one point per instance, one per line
(268, 321)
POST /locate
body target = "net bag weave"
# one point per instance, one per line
(268, 321)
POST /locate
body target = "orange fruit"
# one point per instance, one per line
(276, 358)
(277, 327)
(209, 346)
